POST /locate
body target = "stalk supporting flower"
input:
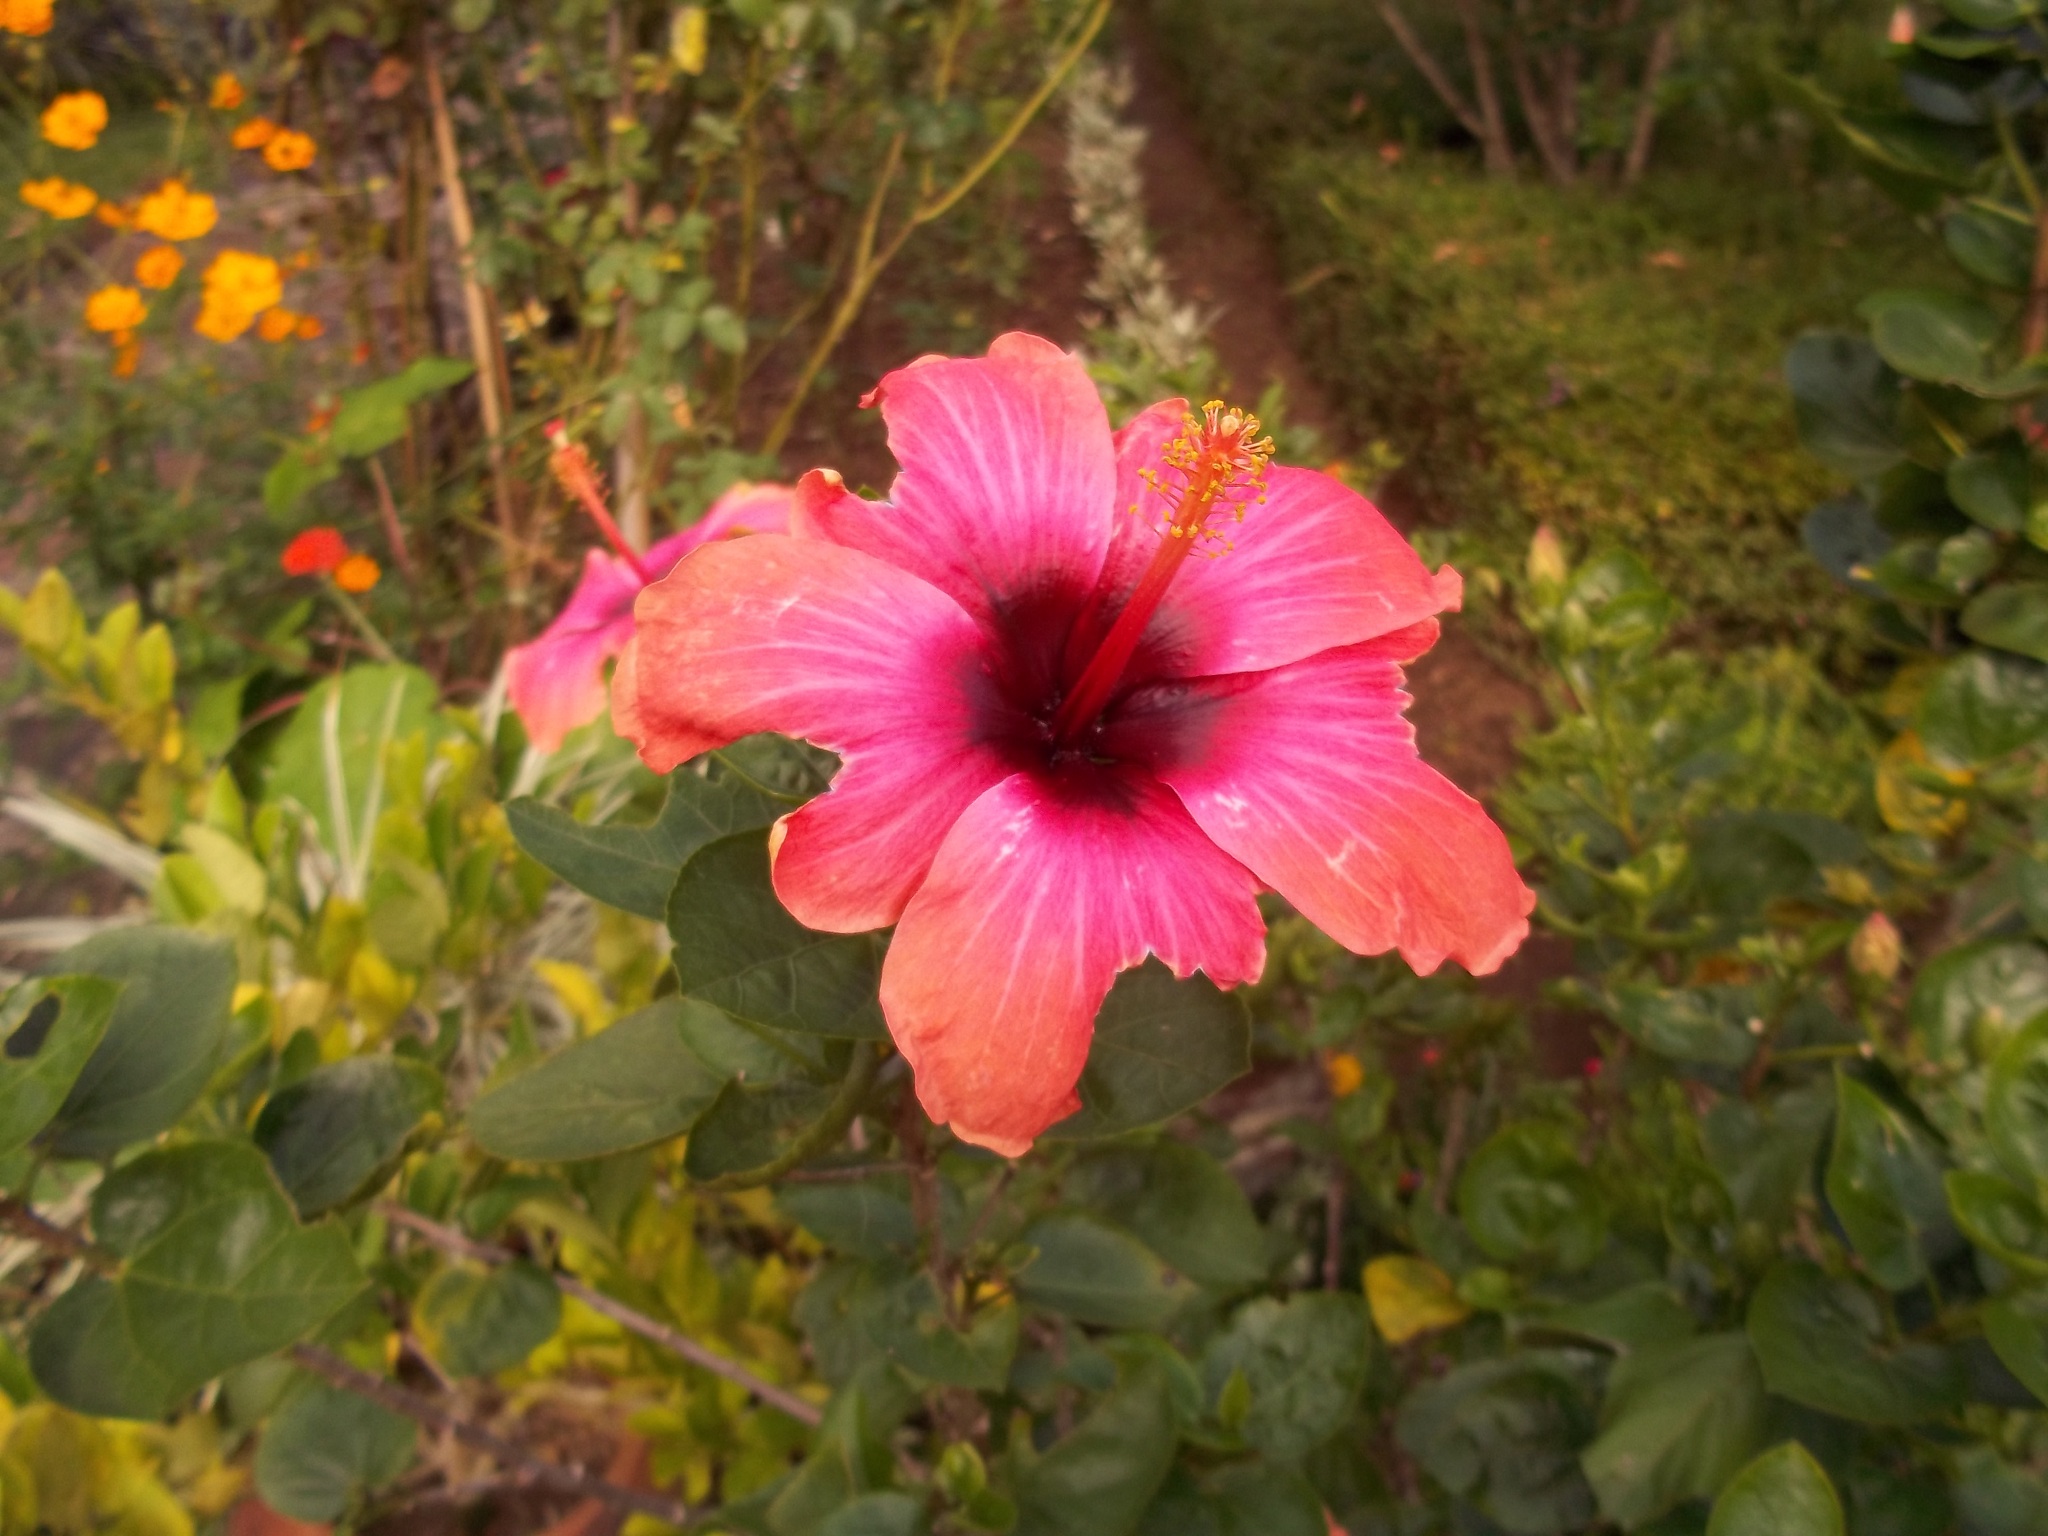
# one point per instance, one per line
(1064, 744)
(556, 682)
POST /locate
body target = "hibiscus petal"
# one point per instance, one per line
(746, 506)
(1313, 567)
(1044, 889)
(772, 633)
(556, 680)
(1309, 775)
(1007, 476)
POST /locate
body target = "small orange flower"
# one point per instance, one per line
(115, 307)
(1345, 1074)
(358, 573)
(319, 551)
(74, 120)
(25, 18)
(127, 354)
(114, 216)
(227, 93)
(174, 212)
(278, 324)
(59, 198)
(310, 328)
(253, 134)
(238, 286)
(288, 150)
(159, 266)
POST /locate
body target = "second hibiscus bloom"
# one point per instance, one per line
(1066, 739)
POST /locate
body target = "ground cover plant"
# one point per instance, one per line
(944, 1001)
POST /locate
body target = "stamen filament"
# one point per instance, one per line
(573, 471)
(1217, 454)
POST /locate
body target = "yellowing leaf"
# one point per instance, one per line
(688, 39)
(1905, 801)
(1411, 1296)
(578, 991)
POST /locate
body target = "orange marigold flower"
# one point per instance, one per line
(116, 307)
(175, 212)
(318, 551)
(227, 93)
(159, 266)
(253, 134)
(115, 216)
(358, 573)
(277, 324)
(288, 150)
(59, 198)
(25, 18)
(74, 120)
(127, 354)
(310, 328)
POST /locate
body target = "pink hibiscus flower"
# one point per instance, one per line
(556, 681)
(1064, 743)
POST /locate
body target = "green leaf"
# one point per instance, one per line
(327, 1449)
(470, 15)
(49, 1028)
(2002, 1219)
(1847, 403)
(329, 759)
(1099, 1479)
(2016, 1327)
(737, 946)
(1991, 249)
(339, 1132)
(1242, 1499)
(1505, 1435)
(2012, 616)
(2016, 1103)
(160, 1046)
(877, 1514)
(300, 470)
(635, 868)
(1707, 1025)
(1783, 1492)
(1982, 706)
(904, 1318)
(1884, 1186)
(1971, 998)
(1524, 1196)
(1091, 1272)
(1183, 1205)
(748, 1125)
(1305, 1362)
(1635, 1318)
(478, 1321)
(1927, 334)
(1678, 1420)
(1822, 1342)
(868, 1218)
(1991, 15)
(1993, 1498)
(635, 1083)
(373, 416)
(215, 1271)
(1994, 485)
(1161, 1046)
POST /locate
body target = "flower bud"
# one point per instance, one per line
(1902, 29)
(1876, 950)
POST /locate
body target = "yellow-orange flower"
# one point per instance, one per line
(116, 307)
(279, 324)
(74, 120)
(239, 286)
(59, 198)
(175, 212)
(227, 93)
(25, 18)
(310, 328)
(114, 216)
(358, 573)
(253, 134)
(127, 353)
(288, 150)
(159, 266)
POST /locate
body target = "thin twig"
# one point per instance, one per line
(1454, 1147)
(448, 1240)
(532, 1470)
(1333, 1230)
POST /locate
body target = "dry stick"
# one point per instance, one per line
(630, 459)
(1333, 1230)
(1500, 153)
(387, 512)
(1427, 66)
(869, 265)
(449, 1240)
(1663, 51)
(1454, 1148)
(477, 310)
(532, 1470)
(1557, 154)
